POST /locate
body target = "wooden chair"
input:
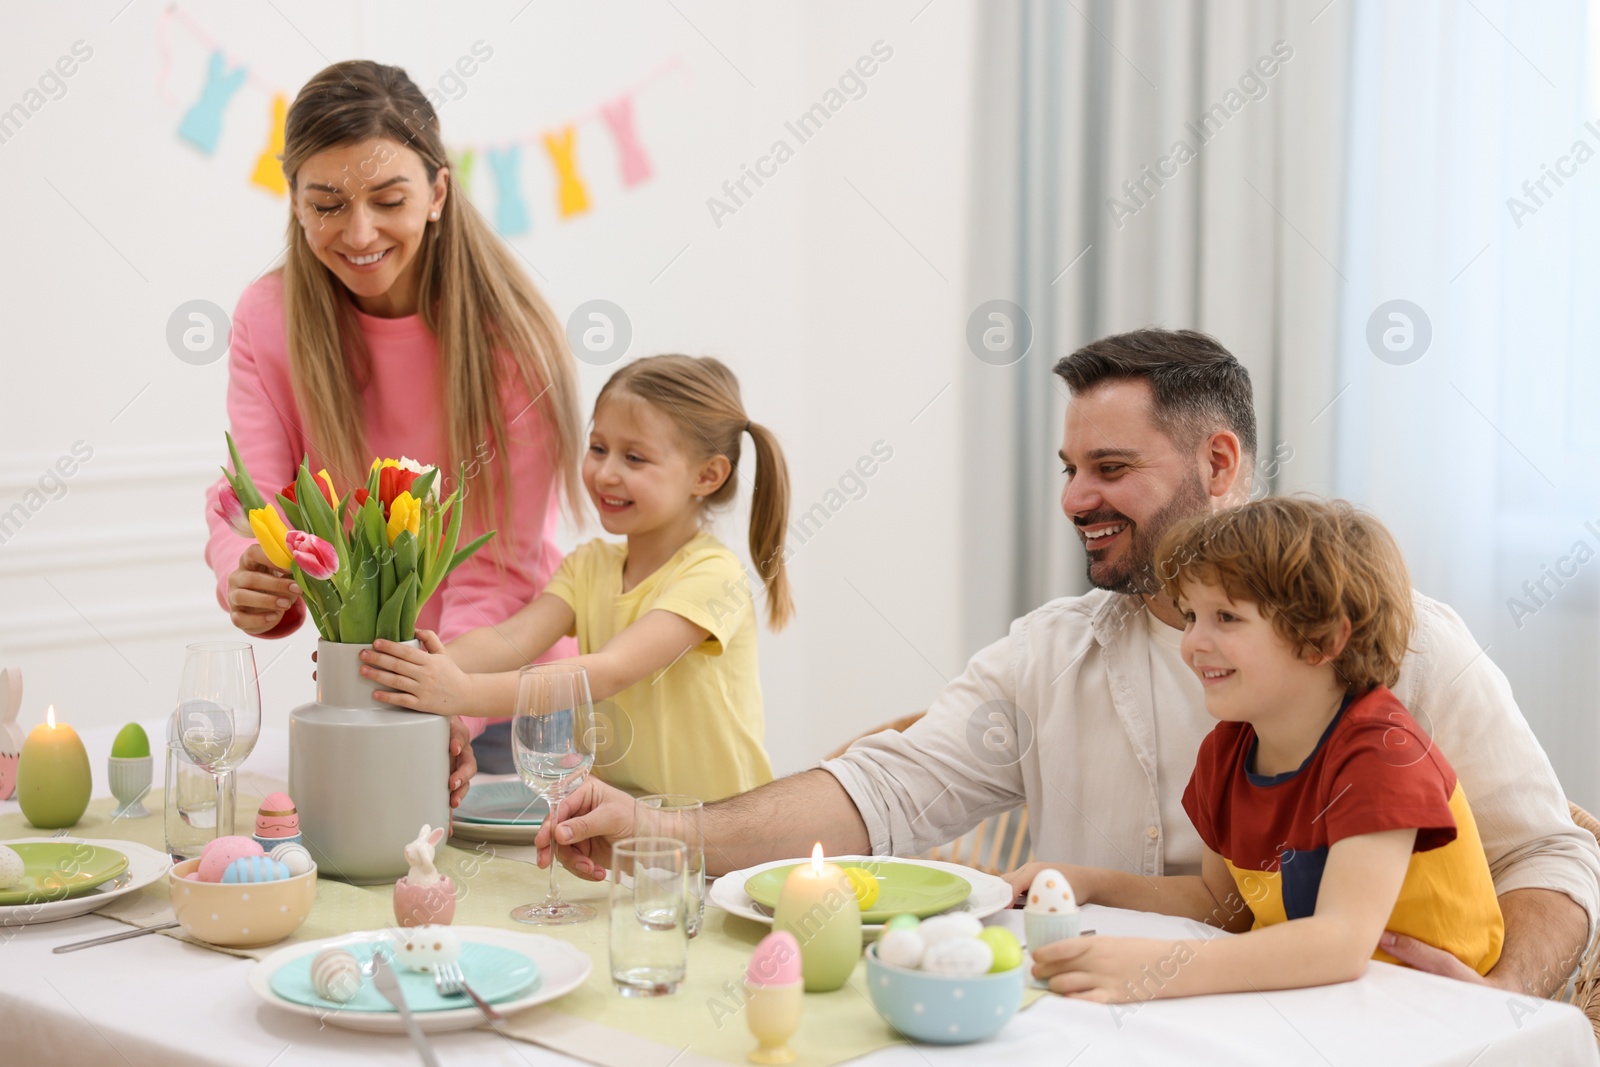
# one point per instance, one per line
(1584, 990)
(998, 844)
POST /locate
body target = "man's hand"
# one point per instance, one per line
(425, 679)
(1102, 969)
(259, 593)
(1546, 933)
(584, 826)
(1428, 959)
(463, 762)
(1081, 879)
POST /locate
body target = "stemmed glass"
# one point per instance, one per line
(218, 716)
(552, 738)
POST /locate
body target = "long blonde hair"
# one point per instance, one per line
(472, 295)
(701, 396)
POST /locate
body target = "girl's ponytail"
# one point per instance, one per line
(769, 518)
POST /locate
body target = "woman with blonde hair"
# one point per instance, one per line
(398, 325)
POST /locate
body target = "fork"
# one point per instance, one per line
(450, 982)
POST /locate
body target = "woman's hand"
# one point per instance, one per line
(425, 679)
(258, 593)
(463, 761)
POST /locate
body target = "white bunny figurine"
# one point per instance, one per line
(419, 854)
(10, 732)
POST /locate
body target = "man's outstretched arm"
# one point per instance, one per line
(1545, 938)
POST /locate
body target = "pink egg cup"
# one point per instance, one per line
(421, 905)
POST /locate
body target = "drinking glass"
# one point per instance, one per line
(648, 884)
(218, 716)
(190, 803)
(552, 740)
(677, 816)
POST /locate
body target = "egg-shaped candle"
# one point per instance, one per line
(53, 779)
(818, 906)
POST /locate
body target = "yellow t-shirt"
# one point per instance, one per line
(695, 726)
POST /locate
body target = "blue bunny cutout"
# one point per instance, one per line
(202, 123)
(510, 214)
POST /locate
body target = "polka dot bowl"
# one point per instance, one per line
(240, 914)
(943, 1009)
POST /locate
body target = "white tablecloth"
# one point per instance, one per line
(158, 1002)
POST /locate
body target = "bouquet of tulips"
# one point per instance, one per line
(368, 561)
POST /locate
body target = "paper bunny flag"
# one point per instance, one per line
(10, 732)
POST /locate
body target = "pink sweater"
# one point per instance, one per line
(403, 418)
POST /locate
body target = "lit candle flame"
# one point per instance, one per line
(816, 860)
(50, 717)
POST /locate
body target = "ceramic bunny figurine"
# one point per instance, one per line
(424, 896)
(10, 732)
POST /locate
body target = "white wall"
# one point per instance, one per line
(836, 292)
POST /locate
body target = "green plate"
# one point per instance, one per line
(496, 974)
(903, 889)
(56, 870)
(502, 804)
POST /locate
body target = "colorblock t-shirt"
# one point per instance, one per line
(1374, 769)
(695, 726)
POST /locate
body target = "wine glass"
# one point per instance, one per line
(552, 739)
(218, 716)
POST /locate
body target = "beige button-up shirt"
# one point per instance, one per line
(1061, 715)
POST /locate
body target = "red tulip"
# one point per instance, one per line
(323, 482)
(315, 556)
(392, 481)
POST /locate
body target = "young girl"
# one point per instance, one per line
(665, 623)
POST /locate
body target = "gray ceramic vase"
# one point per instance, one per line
(364, 776)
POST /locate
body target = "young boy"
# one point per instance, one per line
(1327, 813)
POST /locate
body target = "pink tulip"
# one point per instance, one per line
(316, 557)
(232, 512)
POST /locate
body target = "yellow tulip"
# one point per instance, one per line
(333, 497)
(404, 514)
(270, 531)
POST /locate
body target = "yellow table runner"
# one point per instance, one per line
(702, 1023)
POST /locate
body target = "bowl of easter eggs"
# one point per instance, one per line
(946, 980)
(237, 895)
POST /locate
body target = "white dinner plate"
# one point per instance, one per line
(145, 865)
(989, 894)
(562, 968)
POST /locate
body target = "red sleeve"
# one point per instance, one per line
(1203, 795)
(1377, 781)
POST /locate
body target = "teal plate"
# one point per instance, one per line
(502, 804)
(495, 974)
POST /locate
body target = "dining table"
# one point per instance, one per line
(163, 1000)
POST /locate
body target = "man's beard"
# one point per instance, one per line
(1135, 573)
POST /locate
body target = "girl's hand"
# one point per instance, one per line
(259, 593)
(1081, 879)
(426, 678)
(1111, 970)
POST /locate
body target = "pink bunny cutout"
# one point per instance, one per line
(10, 732)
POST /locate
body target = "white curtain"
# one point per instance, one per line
(1474, 195)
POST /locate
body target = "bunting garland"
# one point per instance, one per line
(202, 127)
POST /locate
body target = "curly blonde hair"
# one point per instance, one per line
(1309, 566)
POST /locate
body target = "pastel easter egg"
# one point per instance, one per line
(946, 927)
(903, 922)
(776, 961)
(424, 946)
(903, 948)
(1005, 946)
(864, 884)
(12, 869)
(959, 956)
(131, 743)
(335, 975)
(221, 851)
(277, 817)
(1050, 892)
(255, 869)
(294, 856)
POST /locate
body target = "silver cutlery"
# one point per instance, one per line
(450, 982)
(383, 977)
(92, 942)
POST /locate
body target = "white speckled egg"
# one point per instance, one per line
(12, 869)
(423, 946)
(903, 948)
(959, 956)
(335, 975)
(1051, 892)
(293, 856)
(945, 927)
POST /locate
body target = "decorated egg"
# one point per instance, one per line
(864, 884)
(1050, 892)
(960, 956)
(424, 946)
(335, 975)
(903, 948)
(221, 851)
(1005, 946)
(277, 820)
(12, 869)
(948, 927)
(776, 961)
(255, 869)
(294, 856)
(903, 922)
(131, 743)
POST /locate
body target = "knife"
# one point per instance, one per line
(383, 978)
